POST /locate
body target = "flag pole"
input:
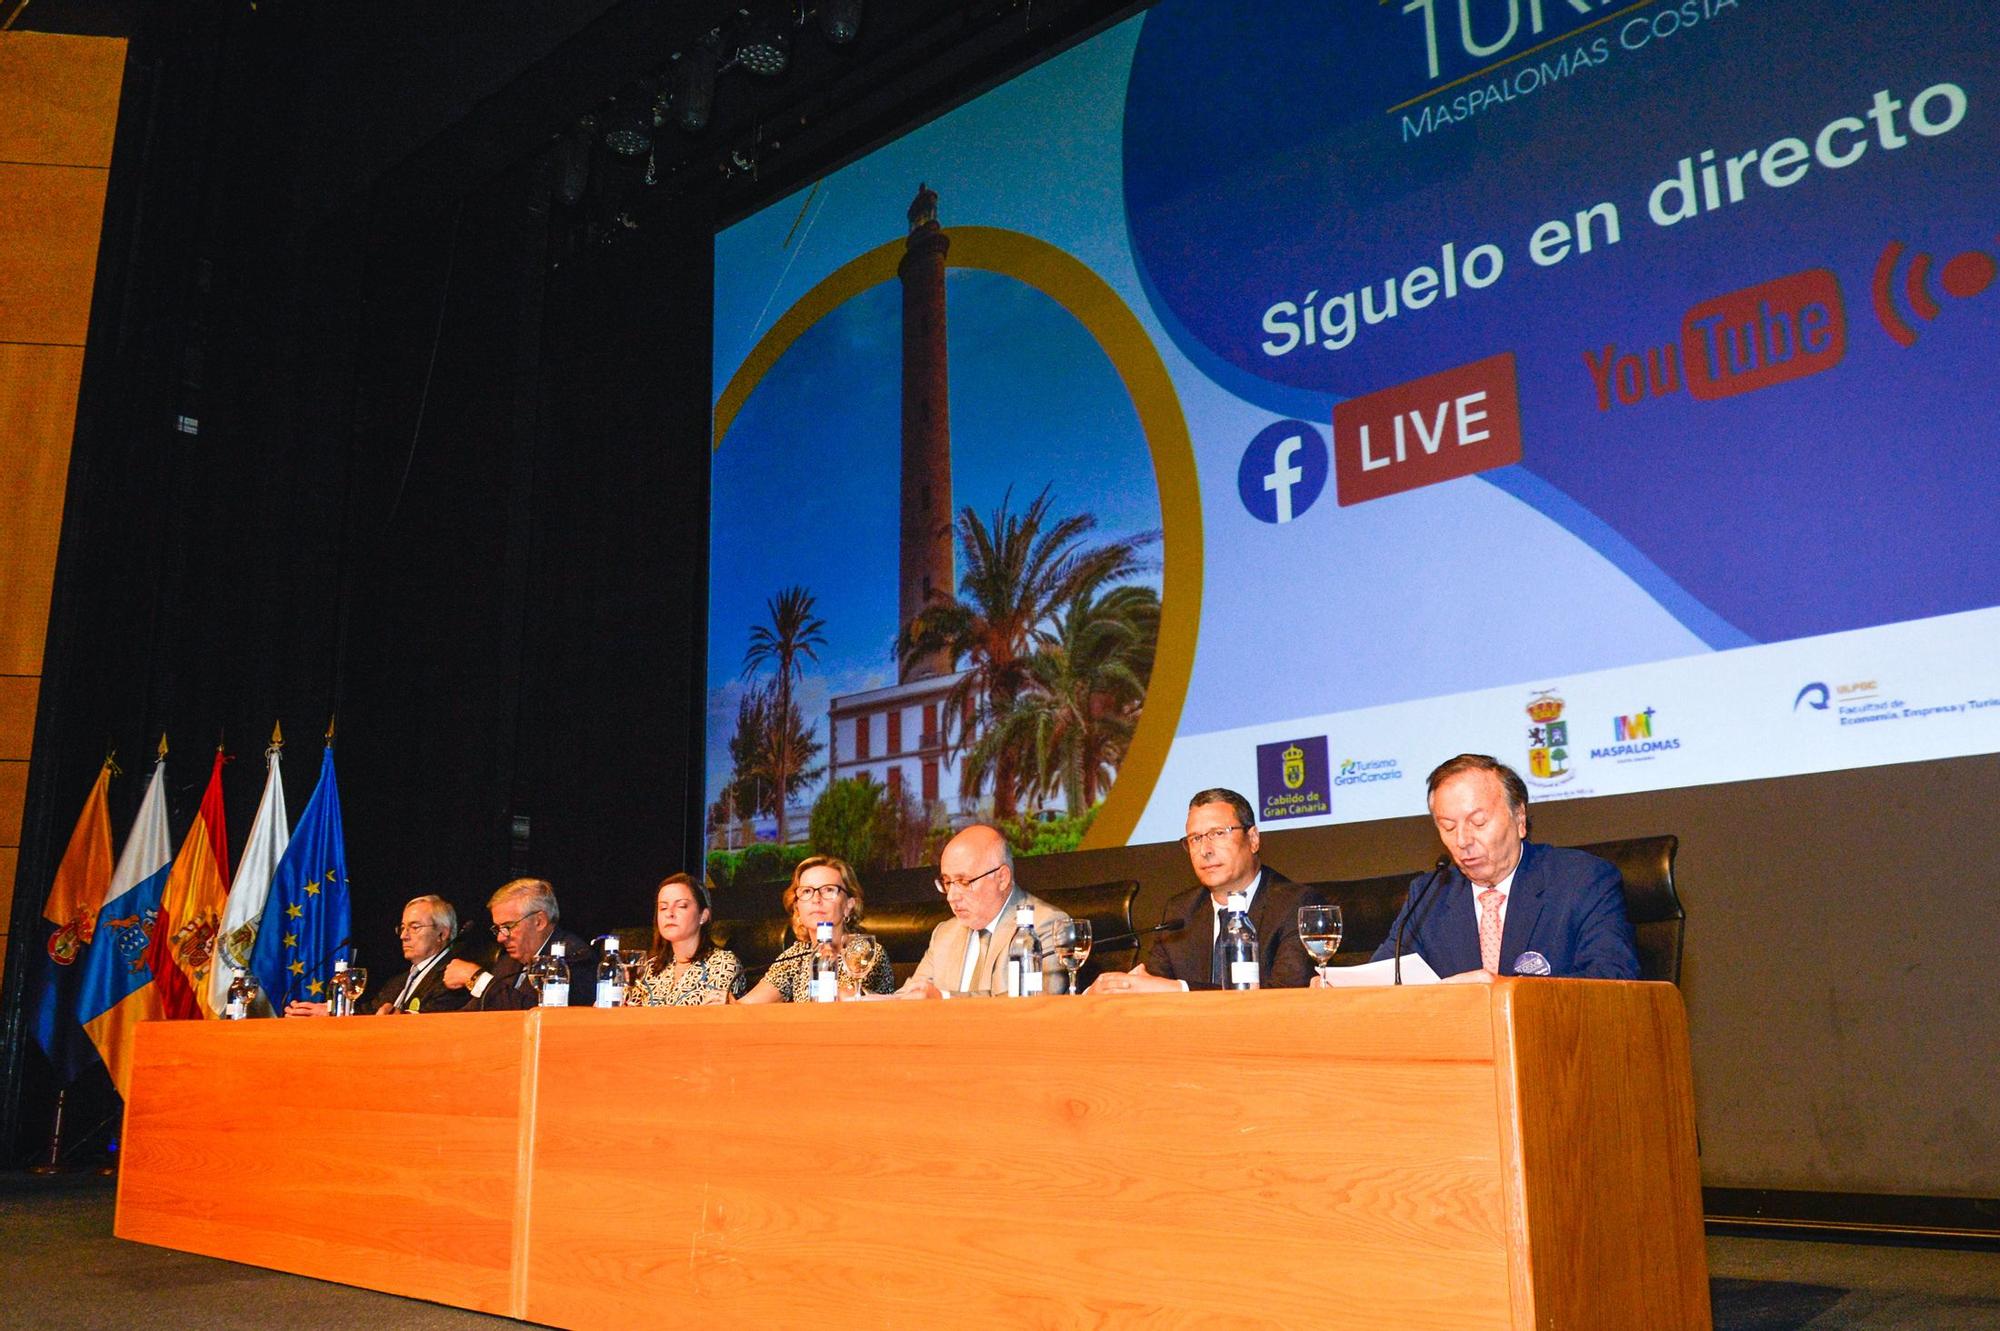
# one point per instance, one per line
(54, 1164)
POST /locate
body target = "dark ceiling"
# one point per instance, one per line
(417, 102)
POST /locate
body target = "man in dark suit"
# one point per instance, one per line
(526, 921)
(1505, 896)
(428, 924)
(1223, 846)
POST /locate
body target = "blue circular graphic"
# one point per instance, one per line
(1282, 471)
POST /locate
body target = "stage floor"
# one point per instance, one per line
(62, 1269)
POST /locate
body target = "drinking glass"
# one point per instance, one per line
(857, 958)
(1070, 941)
(1319, 930)
(355, 981)
(630, 963)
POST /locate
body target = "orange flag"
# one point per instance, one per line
(183, 945)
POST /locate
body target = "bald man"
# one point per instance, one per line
(968, 952)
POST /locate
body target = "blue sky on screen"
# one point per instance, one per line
(806, 482)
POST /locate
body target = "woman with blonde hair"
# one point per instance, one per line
(823, 888)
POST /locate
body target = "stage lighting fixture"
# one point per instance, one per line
(628, 131)
(692, 82)
(763, 48)
(839, 20)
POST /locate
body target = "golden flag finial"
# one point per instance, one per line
(331, 718)
(163, 747)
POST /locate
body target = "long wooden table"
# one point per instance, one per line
(1516, 1155)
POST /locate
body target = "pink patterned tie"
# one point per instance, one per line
(1489, 928)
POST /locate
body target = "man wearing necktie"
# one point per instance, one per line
(429, 923)
(1506, 896)
(968, 952)
(526, 923)
(1224, 849)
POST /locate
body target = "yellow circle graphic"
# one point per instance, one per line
(1106, 317)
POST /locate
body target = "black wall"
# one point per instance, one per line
(449, 491)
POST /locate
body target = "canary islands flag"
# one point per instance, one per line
(117, 992)
(305, 924)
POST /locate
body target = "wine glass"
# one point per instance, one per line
(355, 981)
(857, 957)
(1319, 930)
(1070, 941)
(630, 963)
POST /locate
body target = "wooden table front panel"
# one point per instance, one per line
(1281, 1159)
(386, 1153)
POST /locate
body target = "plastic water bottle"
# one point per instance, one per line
(825, 987)
(236, 1007)
(1024, 956)
(609, 992)
(1239, 944)
(339, 999)
(551, 976)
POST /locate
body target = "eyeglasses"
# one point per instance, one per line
(822, 892)
(1196, 840)
(502, 929)
(949, 885)
(406, 930)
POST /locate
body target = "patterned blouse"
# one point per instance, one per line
(677, 987)
(791, 973)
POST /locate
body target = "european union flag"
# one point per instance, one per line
(305, 925)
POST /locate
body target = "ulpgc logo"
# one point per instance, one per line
(1282, 471)
(1292, 779)
(1548, 740)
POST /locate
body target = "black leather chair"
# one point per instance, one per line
(1368, 906)
(904, 927)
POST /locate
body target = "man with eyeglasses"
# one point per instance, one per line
(525, 920)
(1222, 844)
(428, 924)
(968, 952)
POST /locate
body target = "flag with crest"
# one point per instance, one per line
(71, 912)
(270, 830)
(117, 992)
(182, 951)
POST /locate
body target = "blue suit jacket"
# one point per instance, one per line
(1564, 904)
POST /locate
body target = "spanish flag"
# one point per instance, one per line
(118, 991)
(182, 949)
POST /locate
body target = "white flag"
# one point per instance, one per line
(269, 835)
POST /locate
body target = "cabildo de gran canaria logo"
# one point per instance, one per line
(1548, 740)
(1292, 779)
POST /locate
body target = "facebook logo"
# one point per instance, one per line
(1282, 471)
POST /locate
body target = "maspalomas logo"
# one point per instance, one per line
(1637, 738)
(1548, 740)
(1293, 779)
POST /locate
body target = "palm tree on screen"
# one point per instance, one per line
(783, 645)
(1020, 570)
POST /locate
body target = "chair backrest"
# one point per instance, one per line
(1659, 922)
(1368, 906)
(904, 927)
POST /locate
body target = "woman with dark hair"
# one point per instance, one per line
(684, 968)
(822, 888)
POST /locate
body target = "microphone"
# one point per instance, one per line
(315, 968)
(1531, 963)
(1119, 940)
(1420, 896)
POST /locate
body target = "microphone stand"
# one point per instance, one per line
(1420, 897)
